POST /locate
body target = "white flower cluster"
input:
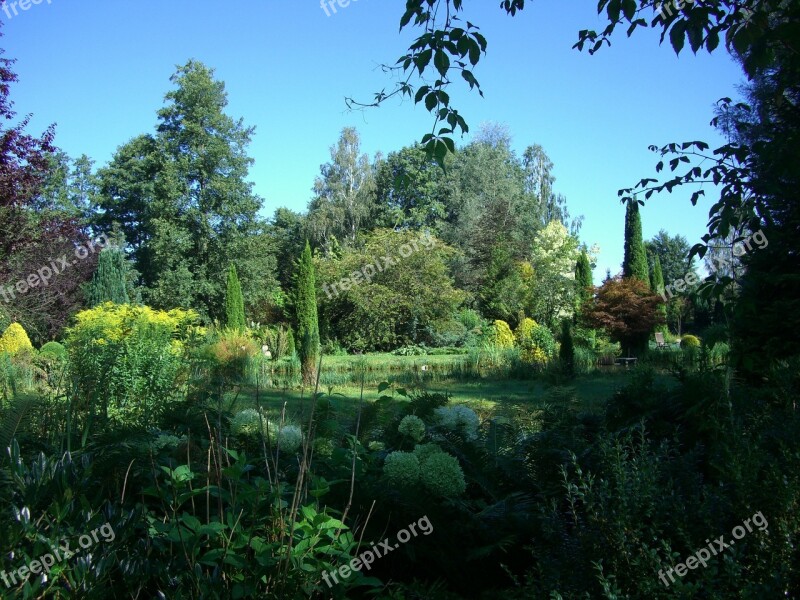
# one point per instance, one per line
(166, 440)
(249, 423)
(290, 438)
(458, 418)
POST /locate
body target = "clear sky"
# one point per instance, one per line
(100, 69)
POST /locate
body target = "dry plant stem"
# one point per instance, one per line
(189, 464)
(261, 425)
(355, 455)
(125, 483)
(303, 468)
(364, 528)
(217, 466)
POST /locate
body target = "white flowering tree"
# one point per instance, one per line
(551, 287)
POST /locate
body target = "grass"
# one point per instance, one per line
(341, 374)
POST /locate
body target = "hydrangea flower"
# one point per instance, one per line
(375, 446)
(424, 451)
(249, 423)
(166, 440)
(402, 468)
(290, 438)
(324, 447)
(442, 475)
(413, 427)
(458, 418)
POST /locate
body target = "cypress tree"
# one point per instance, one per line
(583, 279)
(657, 285)
(567, 351)
(110, 280)
(307, 321)
(234, 302)
(635, 261)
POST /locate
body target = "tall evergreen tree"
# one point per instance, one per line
(635, 261)
(234, 302)
(583, 279)
(182, 199)
(110, 281)
(657, 285)
(307, 320)
(656, 276)
(566, 352)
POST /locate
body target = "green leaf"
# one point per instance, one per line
(442, 62)
(629, 9)
(474, 53)
(712, 41)
(423, 59)
(676, 35)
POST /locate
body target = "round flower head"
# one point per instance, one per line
(324, 447)
(290, 438)
(425, 451)
(458, 418)
(401, 468)
(442, 476)
(413, 427)
(249, 423)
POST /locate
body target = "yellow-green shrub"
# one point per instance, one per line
(126, 360)
(14, 340)
(690, 341)
(524, 331)
(503, 338)
(536, 343)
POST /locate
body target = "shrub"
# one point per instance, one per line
(502, 336)
(55, 350)
(411, 350)
(442, 475)
(233, 353)
(536, 343)
(14, 340)
(469, 318)
(402, 468)
(413, 427)
(129, 359)
(690, 341)
(447, 332)
(523, 332)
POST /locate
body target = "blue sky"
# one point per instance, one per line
(99, 70)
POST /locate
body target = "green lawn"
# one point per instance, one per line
(340, 373)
